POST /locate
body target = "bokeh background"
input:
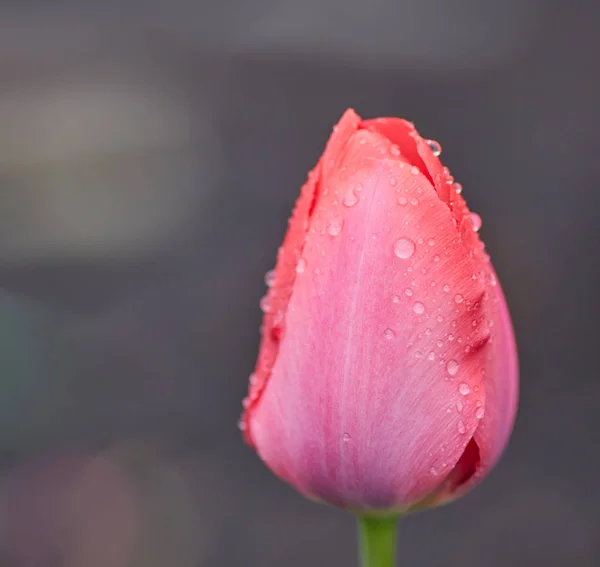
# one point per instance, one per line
(150, 153)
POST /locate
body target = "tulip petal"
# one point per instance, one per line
(501, 382)
(288, 265)
(372, 398)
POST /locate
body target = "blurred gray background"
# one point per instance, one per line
(150, 153)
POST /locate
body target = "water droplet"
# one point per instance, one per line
(431, 355)
(253, 378)
(461, 427)
(418, 307)
(459, 406)
(446, 288)
(432, 471)
(241, 425)
(452, 367)
(408, 291)
(418, 354)
(479, 413)
(346, 437)
(402, 201)
(436, 149)
(439, 319)
(389, 334)
(476, 221)
(404, 248)
(458, 188)
(450, 337)
(264, 304)
(395, 150)
(396, 299)
(301, 266)
(350, 198)
(431, 242)
(414, 170)
(414, 202)
(393, 181)
(464, 389)
(335, 226)
(458, 298)
(439, 343)
(269, 277)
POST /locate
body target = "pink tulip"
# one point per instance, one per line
(387, 377)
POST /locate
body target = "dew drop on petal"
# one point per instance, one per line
(269, 277)
(459, 406)
(479, 413)
(346, 437)
(458, 188)
(414, 170)
(464, 389)
(431, 355)
(418, 307)
(335, 226)
(408, 291)
(396, 299)
(435, 147)
(431, 242)
(461, 427)
(402, 201)
(389, 334)
(350, 198)
(452, 367)
(395, 150)
(414, 202)
(264, 303)
(446, 288)
(433, 472)
(476, 221)
(301, 266)
(458, 298)
(404, 248)
(393, 181)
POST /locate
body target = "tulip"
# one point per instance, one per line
(387, 376)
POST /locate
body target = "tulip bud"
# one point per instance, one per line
(387, 376)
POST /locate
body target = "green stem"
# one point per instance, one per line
(377, 541)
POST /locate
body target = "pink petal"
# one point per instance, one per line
(287, 267)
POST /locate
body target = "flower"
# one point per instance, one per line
(387, 377)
